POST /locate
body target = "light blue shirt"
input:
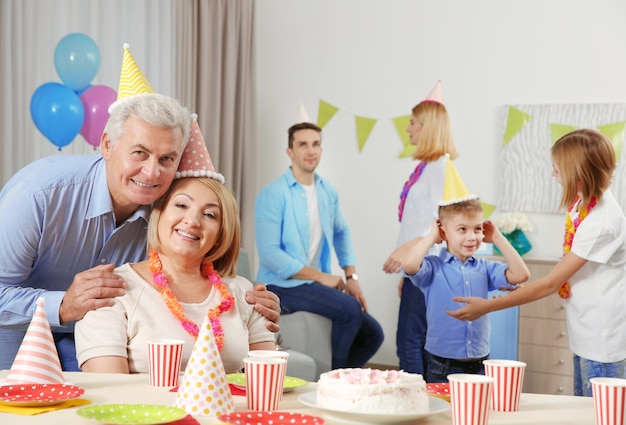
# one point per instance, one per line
(443, 277)
(282, 230)
(56, 220)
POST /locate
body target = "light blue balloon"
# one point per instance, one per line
(57, 113)
(77, 60)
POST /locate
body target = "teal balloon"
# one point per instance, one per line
(77, 60)
(57, 112)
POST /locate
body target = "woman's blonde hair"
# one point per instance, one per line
(225, 252)
(435, 139)
(586, 161)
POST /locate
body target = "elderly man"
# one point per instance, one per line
(67, 221)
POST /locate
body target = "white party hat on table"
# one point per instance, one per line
(37, 360)
(204, 390)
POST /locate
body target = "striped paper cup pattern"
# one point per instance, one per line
(609, 395)
(508, 377)
(165, 358)
(469, 398)
(265, 377)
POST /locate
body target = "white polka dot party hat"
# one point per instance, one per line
(37, 360)
(196, 161)
(204, 390)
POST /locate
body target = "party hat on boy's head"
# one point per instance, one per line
(302, 115)
(196, 161)
(132, 80)
(435, 94)
(204, 390)
(454, 190)
(37, 360)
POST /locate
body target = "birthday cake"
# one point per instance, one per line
(372, 391)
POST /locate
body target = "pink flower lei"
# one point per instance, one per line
(172, 303)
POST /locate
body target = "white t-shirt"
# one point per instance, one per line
(315, 226)
(422, 204)
(124, 329)
(596, 310)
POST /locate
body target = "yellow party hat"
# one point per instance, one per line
(132, 81)
(454, 190)
(37, 360)
(204, 390)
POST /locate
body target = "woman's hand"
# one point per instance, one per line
(474, 308)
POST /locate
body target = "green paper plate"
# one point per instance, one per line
(290, 383)
(139, 414)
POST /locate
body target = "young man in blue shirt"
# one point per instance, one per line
(297, 223)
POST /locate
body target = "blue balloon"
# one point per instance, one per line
(57, 112)
(77, 60)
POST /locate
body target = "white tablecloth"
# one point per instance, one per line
(535, 409)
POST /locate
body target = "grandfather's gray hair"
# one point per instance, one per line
(155, 109)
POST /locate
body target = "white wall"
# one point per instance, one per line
(379, 58)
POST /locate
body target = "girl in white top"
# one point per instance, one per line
(592, 274)
(193, 234)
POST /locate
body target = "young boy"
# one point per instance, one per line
(454, 346)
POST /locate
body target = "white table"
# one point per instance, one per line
(112, 388)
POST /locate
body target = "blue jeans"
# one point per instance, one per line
(438, 371)
(356, 336)
(11, 340)
(411, 334)
(585, 369)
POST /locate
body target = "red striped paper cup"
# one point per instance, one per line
(281, 354)
(165, 359)
(508, 377)
(469, 398)
(265, 377)
(609, 395)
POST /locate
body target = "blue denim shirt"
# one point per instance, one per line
(282, 231)
(443, 277)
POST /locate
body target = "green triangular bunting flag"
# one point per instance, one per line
(487, 209)
(401, 123)
(325, 112)
(615, 133)
(364, 127)
(559, 130)
(515, 121)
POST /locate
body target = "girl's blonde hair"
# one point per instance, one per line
(435, 139)
(586, 161)
(225, 252)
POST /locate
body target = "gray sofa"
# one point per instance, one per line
(304, 335)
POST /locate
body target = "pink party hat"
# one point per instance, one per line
(435, 94)
(302, 115)
(196, 161)
(204, 390)
(37, 360)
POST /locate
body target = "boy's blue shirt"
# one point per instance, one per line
(443, 277)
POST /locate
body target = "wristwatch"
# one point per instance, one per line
(352, 276)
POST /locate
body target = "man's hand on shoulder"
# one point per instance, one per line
(91, 289)
(267, 304)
